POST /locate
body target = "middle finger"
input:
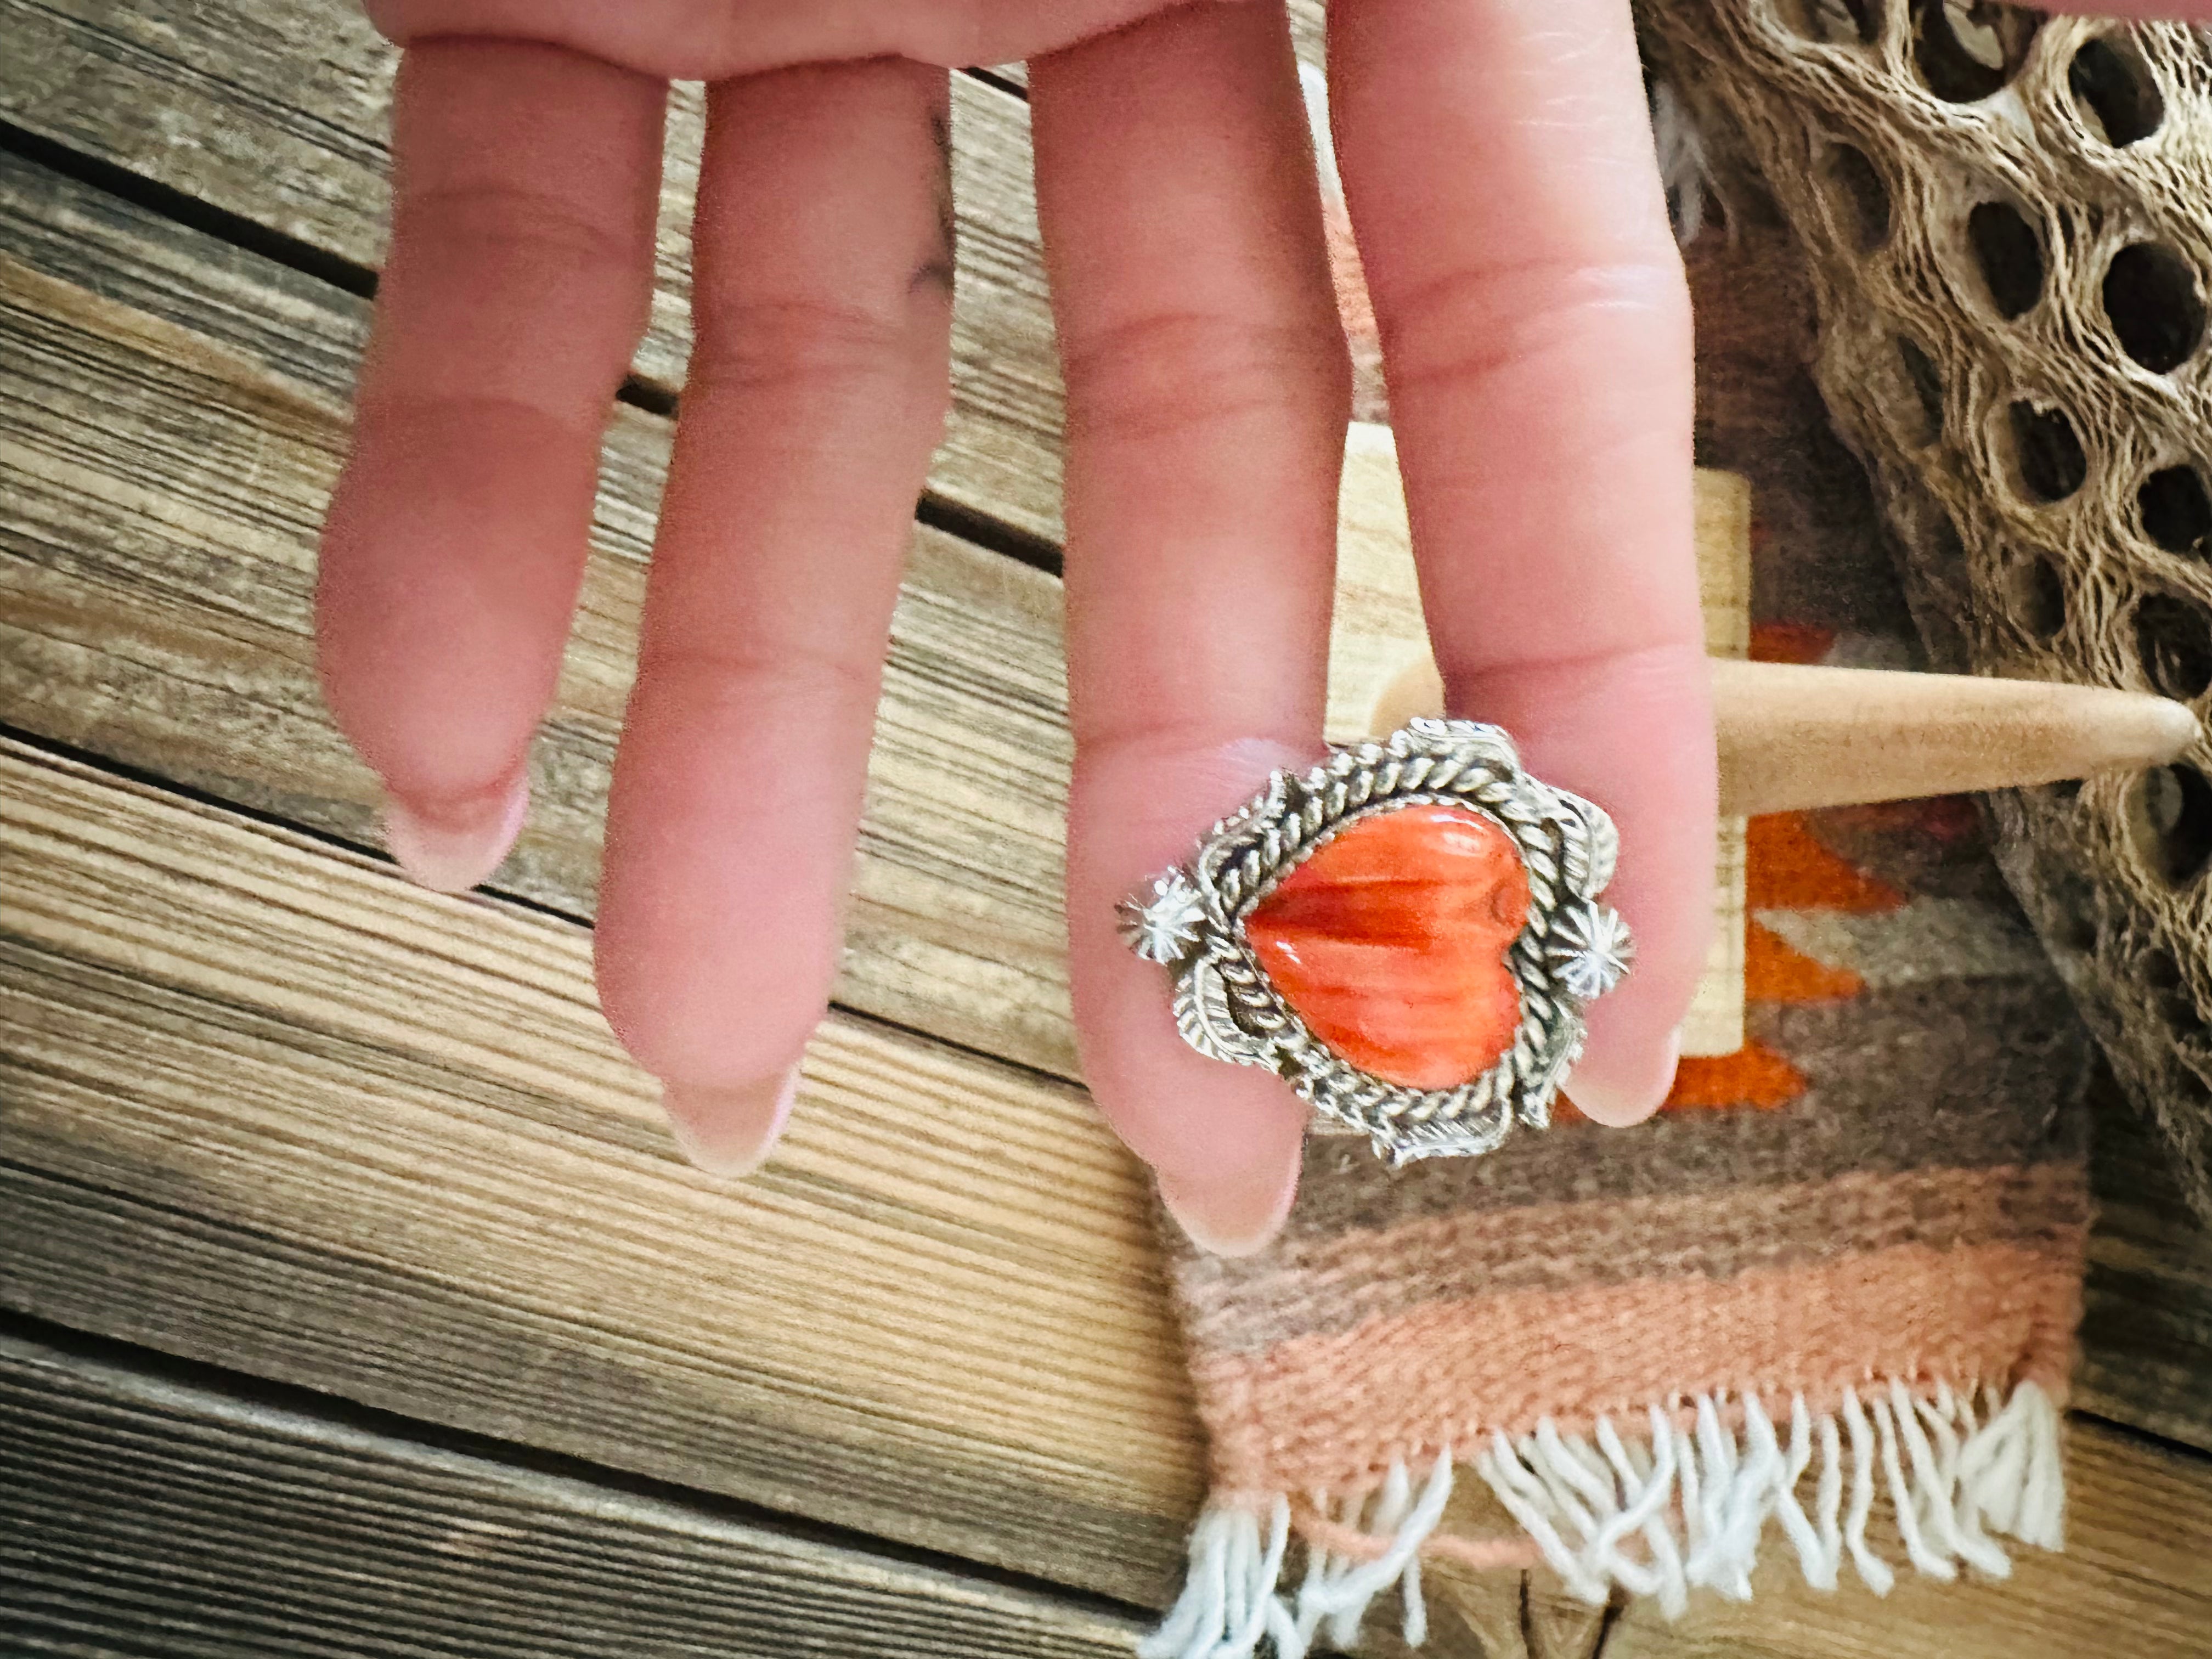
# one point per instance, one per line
(822, 314)
(1208, 390)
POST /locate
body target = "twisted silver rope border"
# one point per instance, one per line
(1192, 921)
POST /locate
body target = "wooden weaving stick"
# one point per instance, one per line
(1790, 738)
(1794, 738)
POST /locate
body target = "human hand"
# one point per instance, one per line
(1499, 167)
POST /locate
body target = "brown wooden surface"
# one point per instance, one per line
(2146, 1320)
(269, 1107)
(263, 1106)
(161, 483)
(144, 1515)
(278, 110)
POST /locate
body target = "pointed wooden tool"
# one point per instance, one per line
(1796, 738)
(1792, 739)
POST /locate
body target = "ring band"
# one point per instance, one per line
(1407, 933)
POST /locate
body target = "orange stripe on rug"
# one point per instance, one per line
(1786, 868)
(1754, 1075)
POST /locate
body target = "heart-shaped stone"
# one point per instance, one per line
(1390, 942)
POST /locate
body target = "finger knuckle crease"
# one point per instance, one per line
(1167, 373)
(1165, 740)
(442, 410)
(506, 214)
(702, 671)
(1465, 327)
(762, 344)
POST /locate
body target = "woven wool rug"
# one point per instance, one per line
(1824, 1304)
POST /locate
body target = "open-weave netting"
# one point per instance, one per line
(2008, 223)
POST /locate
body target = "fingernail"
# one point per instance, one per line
(729, 1132)
(1620, 1103)
(1232, 1218)
(452, 852)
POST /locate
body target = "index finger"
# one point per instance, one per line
(1499, 167)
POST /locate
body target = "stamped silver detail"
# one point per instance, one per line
(1165, 925)
(1571, 949)
(1592, 950)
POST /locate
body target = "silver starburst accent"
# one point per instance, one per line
(1591, 951)
(1164, 929)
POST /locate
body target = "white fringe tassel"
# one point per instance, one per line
(1657, 1513)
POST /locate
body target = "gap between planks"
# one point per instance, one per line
(165, 630)
(131, 1505)
(951, 1268)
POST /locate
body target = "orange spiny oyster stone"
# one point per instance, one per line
(1391, 943)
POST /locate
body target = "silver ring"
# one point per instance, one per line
(1282, 969)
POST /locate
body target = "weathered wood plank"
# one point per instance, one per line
(140, 1514)
(2147, 1320)
(154, 609)
(2132, 1580)
(278, 113)
(160, 489)
(264, 1104)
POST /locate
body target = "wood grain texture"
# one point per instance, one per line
(2147, 1316)
(141, 1514)
(278, 113)
(264, 1105)
(166, 431)
(167, 439)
